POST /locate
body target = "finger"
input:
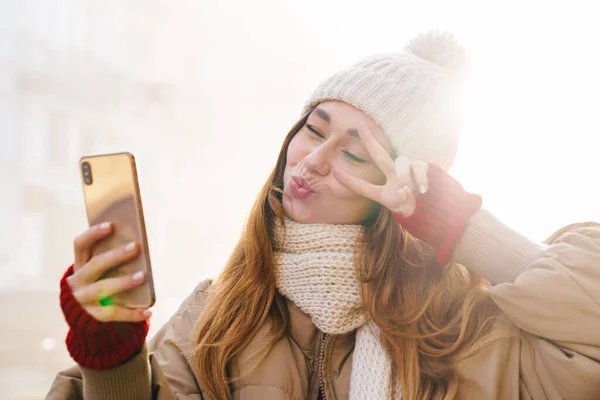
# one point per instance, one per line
(403, 167)
(85, 241)
(101, 263)
(420, 169)
(408, 203)
(359, 186)
(115, 313)
(381, 157)
(108, 287)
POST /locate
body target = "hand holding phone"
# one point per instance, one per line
(112, 276)
(94, 294)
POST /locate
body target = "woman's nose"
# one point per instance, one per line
(318, 160)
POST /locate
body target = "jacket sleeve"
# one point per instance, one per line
(550, 292)
(161, 371)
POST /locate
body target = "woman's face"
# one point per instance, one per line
(327, 141)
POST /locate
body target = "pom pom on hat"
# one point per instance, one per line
(442, 49)
(411, 95)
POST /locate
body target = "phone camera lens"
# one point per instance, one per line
(87, 173)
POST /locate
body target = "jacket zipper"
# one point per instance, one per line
(321, 357)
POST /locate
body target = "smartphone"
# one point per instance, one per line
(112, 194)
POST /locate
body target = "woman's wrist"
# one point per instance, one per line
(442, 214)
(98, 345)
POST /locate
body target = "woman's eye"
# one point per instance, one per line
(353, 158)
(314, 131)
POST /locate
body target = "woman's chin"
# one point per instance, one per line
(307, 213)
(298, 212)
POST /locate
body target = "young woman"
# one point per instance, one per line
(365, 271)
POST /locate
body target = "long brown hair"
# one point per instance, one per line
(431, 316)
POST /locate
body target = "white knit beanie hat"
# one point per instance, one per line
(411, 95)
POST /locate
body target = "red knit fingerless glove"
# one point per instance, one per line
(441, 214)
(98, 345)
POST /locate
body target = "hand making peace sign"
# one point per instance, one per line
(403, 176)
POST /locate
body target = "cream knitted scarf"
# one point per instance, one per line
(315, 270)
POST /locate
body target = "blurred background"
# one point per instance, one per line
(203, 92)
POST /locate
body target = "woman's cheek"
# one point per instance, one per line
(298, 149)
(375, 176)
(342, 192)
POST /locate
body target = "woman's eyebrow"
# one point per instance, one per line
(323, 115)
(353, 132)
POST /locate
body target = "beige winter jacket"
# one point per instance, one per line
(548, 293)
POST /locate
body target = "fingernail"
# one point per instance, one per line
(406, 188)
(105, 226)
(423, 189)
(146, 313)
(138, 276)
(130, 247)
(402, 194)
